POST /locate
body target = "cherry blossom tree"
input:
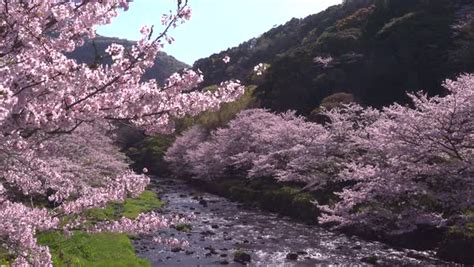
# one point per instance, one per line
(401, 168)
(319, 157)
(227, 148)
(176, 155)
(256, 143)
(417, 168)
(259, 143)
(45, 95)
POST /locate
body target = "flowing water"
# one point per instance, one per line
(221, 227)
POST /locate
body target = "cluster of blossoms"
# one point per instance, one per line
(401, 167)
(19, 226)
(145, 223)
(53, 150)
(226, 59)
(260, 68)
(173, 19)
(173, 242)
(323, 61)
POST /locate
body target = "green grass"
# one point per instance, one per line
(130, 208)
(147, 201)
(84, 249)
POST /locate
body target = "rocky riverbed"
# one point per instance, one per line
(226, 233)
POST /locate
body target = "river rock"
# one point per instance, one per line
(370, 259)
(207, 233)
(242, 257)
(292, 256)
(203, 202)
(176, 249)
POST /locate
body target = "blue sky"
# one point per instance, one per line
(215, 25)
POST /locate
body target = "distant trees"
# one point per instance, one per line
(357, 2)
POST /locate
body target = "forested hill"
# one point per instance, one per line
(165, 65)
(380, 50)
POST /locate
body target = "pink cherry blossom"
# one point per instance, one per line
(260, 68)
(323, 61)
(226, 59)
(56, 113)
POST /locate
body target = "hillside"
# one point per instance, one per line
(165, 65)
(380, 50)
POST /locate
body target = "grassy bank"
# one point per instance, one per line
(83, 249)
(101, 249)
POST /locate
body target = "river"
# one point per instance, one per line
(221, 227)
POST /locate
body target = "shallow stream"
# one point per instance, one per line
(221, 227)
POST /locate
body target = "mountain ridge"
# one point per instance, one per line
(381, 49)
(164, 66)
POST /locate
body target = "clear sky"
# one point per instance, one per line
(215, 24)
